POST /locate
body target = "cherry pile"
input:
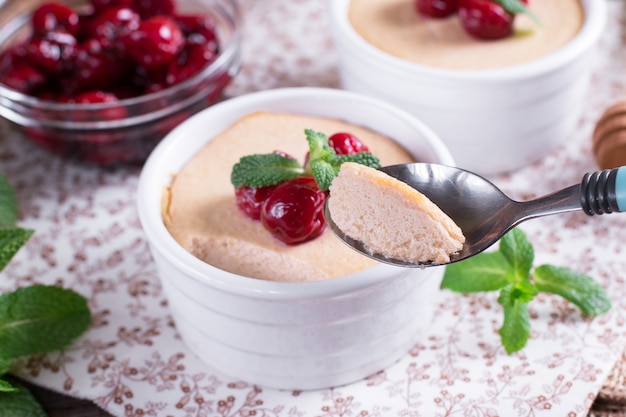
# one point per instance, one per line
(483, 19)
(293, 211)
(90, 59)
(115, 48)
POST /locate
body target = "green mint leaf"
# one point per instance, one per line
(20, 403)
(8, 204)
(11, 240)
(515, 329)
(519, 252)
(38, 318)
(363, 158)
(6, 386)
(515, 7)
(318, 146)
(323, 172)
(579, 289)
(261, 170)
(5, 365)
(324, 163)
(487, 271)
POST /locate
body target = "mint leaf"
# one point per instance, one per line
(20, 403)
(318, 146)
(6, 386)
(261, 170)
(519, 252)
(515, 329)
(509, 270)
(485, 272)
(5, 365)
(38, 318)
(11, 240)
(323, 172)
(515, 7)
(363, 158)
(579, 289)
(8, 204)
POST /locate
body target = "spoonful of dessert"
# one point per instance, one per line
(423, 214)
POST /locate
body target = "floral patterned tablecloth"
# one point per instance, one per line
(132, 361)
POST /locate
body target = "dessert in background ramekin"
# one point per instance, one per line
(492, 120)
(127, 129)
(290, 335)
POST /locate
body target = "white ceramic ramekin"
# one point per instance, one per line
(494, 120)
(290, 335)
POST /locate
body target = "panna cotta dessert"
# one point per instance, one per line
(391, 218)
(396, 27)
(201, 212)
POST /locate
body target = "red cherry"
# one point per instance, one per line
(436, 8)
(250, 199)
(294, 212)
(346, 143)
(198, 29)
(51, 54)
(111, 24)
(193, 58)
(485, 19)
(53, 17)
(155, 43)
(100, 5)
(151, 8)
(92, 97)
(24, 78)
(96, 68)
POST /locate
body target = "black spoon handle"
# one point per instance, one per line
(603, 191)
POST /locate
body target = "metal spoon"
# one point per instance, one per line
(484, 213)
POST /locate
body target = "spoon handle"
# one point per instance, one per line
(603, 191)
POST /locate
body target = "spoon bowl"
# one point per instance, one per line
(484, 213)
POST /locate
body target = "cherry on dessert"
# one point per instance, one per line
(294, 212)
(436, 8)
(346, 143)
(52, 16)
(155, 43)
(485, 19)
(250, 199)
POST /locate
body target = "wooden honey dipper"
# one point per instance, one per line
(609, 137)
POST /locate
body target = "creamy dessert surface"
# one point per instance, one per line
(396, 28)
(200, 212)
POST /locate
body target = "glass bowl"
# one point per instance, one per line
(124, 131)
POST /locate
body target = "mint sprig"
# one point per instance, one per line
(510, 270)
(8, 204)
(261, 170)
(515, 7)
(33, 319)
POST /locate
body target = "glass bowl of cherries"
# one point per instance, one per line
(103, 81)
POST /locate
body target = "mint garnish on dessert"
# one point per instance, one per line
(510, 270)
(288, 197)
(262, 170)
(517, 6)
